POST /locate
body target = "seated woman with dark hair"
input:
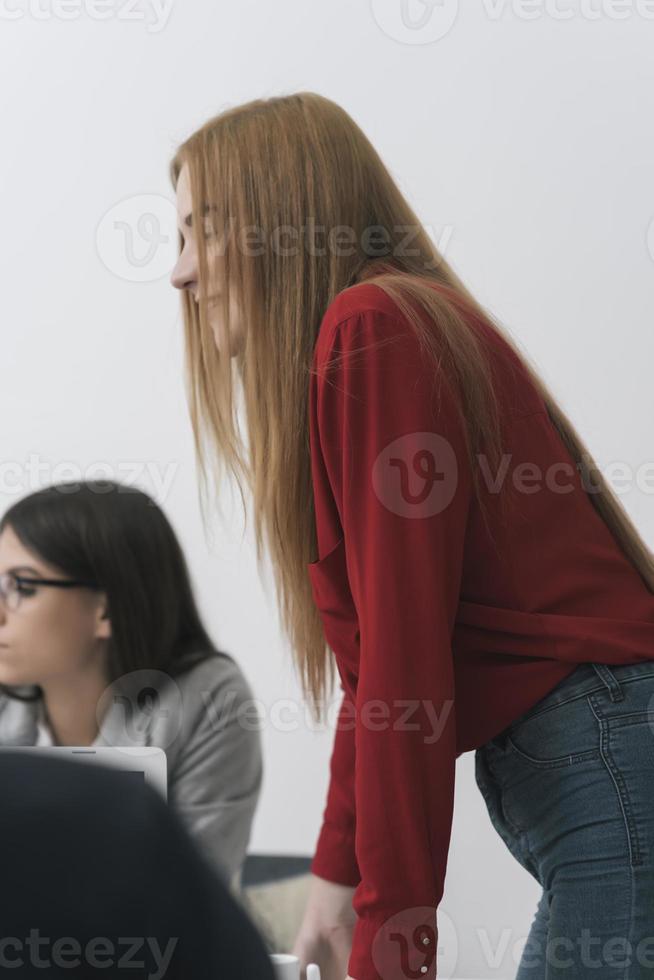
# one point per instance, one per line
(101, 878)
(101, 643)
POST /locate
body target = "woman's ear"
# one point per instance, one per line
(102, 622)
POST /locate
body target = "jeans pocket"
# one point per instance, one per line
(563, 734)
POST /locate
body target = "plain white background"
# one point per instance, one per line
(521, 134)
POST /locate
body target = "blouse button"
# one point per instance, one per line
(423, 969)
(425, 939)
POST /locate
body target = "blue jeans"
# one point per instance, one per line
(569, 787)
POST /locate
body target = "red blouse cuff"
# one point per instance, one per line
(395, 945)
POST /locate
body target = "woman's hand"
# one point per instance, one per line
(325, 935)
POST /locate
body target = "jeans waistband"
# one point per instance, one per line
(608, 677)
(590, 676)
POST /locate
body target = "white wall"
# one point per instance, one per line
(523, 138)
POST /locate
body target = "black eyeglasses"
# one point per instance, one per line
(14, 587)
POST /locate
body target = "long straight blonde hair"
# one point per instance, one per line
(293, 168)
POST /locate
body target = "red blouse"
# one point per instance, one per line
(418, 600)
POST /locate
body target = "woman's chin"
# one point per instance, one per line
(12, 676)
(235, 342)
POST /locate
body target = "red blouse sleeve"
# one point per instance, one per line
(393, 447)
(335, 857)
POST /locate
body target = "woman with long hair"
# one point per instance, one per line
(436, 523)
(101, 643)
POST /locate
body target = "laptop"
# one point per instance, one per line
(141, 764)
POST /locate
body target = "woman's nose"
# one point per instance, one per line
(183, 275)
(182, 281)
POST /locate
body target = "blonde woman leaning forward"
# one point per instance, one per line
(435, 523)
